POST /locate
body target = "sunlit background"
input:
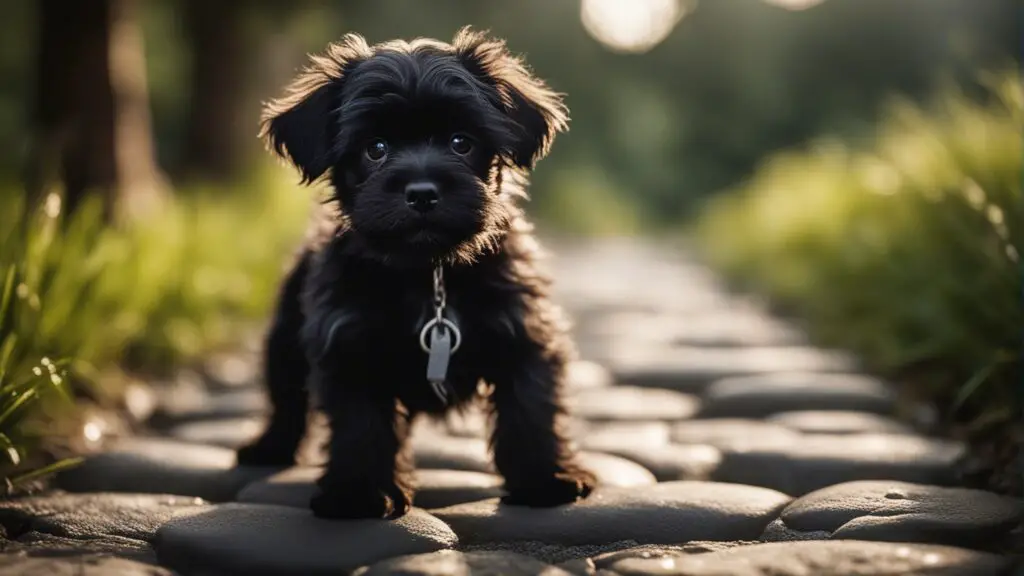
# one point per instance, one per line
(816, 151)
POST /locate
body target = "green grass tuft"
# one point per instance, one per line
(155, 293)
(907, 253)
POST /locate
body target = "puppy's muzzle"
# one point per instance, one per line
(422, 196)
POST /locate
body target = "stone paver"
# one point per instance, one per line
(451, 453)
(163, 467)
(647, 444)
(22, 564)
(450, 562)
(733, 434)
(815, 461)
(839, 422)
(228, 432)
(233, 370)
(693, 368)
(435, 488)
(584, 374)
(188, 399)
(893, 511)
(675, 461)
(632, 403)
(723, 328)
(96, 522)
(765, 394)
(637, 432)
(612, 470)
(260, 539)
(438, 488)
(829, 558)
(605, 563)
(441, 488)
(669, 512)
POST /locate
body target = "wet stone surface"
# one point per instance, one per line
(766, 394)
(452, 562)
(733, 434)
(891, 511)
(451, 453)
(647, 444)
(828, 558)
(839, 422)
(188, 399)
(95, 523)
(723, 328)
(163, 467)
(435, 488)
(669, 512)
(612, 470)
(625, 403)
(815, 461)
(229, 433)
(694, 368)
(84, 564)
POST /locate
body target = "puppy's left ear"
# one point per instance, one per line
(537, 112)
(302, 125)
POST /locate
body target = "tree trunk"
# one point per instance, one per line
(92, 116)
(221, 125)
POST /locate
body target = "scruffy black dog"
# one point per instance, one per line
(426, 146)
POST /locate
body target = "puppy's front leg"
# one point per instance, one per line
(530, 447)
(367, 474)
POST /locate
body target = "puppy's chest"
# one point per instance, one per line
(392, 328)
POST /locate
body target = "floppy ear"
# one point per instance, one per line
(301, 125)
(536, 111)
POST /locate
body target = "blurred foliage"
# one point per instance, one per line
(657, 131)
(653, 135)
(152, 294)
(218, 257)
(907, 252)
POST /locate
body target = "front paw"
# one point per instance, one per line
(359, 503)
(562, 488)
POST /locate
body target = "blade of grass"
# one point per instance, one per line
(59, 466)
(13, 407)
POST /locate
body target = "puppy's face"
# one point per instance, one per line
(415, 137)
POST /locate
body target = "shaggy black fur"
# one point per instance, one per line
(426, 146)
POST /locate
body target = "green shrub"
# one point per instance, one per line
(907, 252)
(154, 293)
(219, 255)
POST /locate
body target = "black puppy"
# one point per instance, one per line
(423, 255)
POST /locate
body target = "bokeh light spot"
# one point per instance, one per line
(633, 26)
(795, 4)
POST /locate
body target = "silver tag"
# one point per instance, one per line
(437, 362)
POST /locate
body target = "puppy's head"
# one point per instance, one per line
(415, 138)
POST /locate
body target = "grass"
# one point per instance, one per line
(907, 252)
(147, 296)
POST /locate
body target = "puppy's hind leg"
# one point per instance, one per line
(530, 447)
(286, 369)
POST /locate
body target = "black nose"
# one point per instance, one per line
(421, 196)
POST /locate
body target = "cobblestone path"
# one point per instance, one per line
(726, 444)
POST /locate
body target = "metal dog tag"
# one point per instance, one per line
(437, 361)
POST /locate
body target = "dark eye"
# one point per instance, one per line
(377, 149)
(461, 144)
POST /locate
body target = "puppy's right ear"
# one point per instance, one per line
(301, 125)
